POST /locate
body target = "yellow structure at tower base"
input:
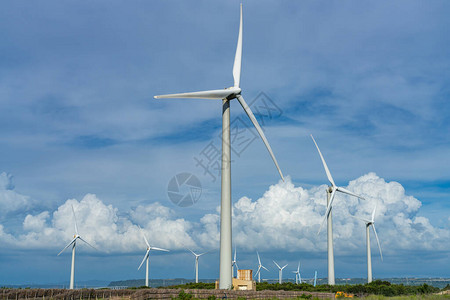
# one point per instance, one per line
(244, 282)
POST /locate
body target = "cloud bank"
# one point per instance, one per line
(286, 218)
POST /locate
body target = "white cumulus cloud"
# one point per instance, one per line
(286, 217)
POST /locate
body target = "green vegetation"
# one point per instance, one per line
(376, 287)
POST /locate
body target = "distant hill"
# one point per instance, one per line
(154, 282)
(60, 285)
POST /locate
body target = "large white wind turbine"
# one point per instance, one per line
(234, 263)
(197, 256)
(146, 257)
(260, 266)
(73, 242)
(331, 193)
(280, 272)
(298, 278)
(369, 223)
(226, 95)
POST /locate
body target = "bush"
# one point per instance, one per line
(183, 296)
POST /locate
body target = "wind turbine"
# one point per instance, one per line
(73, 242)
(146, 257)
(280, 272)
(331, 192)
(369, 223)
(234, 263)
(228, 94)
(297, 275)
(315, 278)
(197, 256)
(260, 266)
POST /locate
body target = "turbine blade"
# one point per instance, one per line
(235, 246)
(378, 241)
(160, 249)
(195, 254)
(145, 239)
(361, 219)
(87, 243)
(75, 218)
(284, 266)
(238, 56)
(345, 191)
(143, 235)
(68, 245)
(264, 268)
(330, 178)
(298, 268)
(333, 193)
(259, 260)
(237, 267)
(259, 269)
(373, 213)
(276, 264)
(145, 256)
(212, 94)
(258, 128)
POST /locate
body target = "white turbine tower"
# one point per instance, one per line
(146, 257)
(260, 266)
(331, 192)
(226, 95)
(197, 256)
(298, 278)
(234, 263)
(280, 272)
(73, 242)
(315, 278)
(369, 223)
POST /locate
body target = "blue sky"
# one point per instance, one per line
(78, 119)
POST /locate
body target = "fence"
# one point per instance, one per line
(144, 294)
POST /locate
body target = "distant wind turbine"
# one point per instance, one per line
(331, 192)
(369, 223)
(280, 272)
(197, 256)
(315, 278)
(226, 95)
(146, 257)
(260, 266)
(73, 242)
(298, 278)
(234, 263)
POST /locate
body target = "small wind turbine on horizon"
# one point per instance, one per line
(280, 272)
(197, 256)
(297, 275)
(234, 263)
(331, 193)
(260, 266)
(226, 95)
(73, 242)
(369, 223)
(146, 257)
(315, 278)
